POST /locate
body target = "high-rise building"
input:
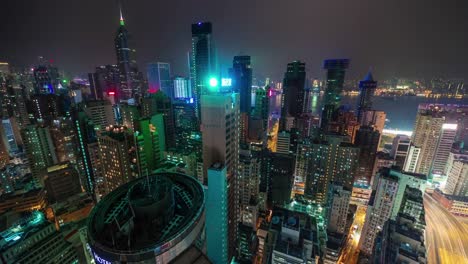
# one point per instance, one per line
(366, 92)
(62, 181)
(10, 135)
(283, 143)
(373, 118)
(203, 60)
(40, 150)
(130, 79)
(242, 81)
(46, 79)
(400, 148)
(159, 103)
(32, 239)
(446, 140)
(104, 82)
(100, 112)
(337, 205)
(217, 214)
(427, 131)
(117, 157)
(457, 177)
(220, 137)
(280, 173)
(389, 191)
(249, 179)
(152, 219)
(367, 139)
(411, 161)
(333, 160)
(182, 88)
(335, 78)
(149, 154)
(292, 104)
(159, 78)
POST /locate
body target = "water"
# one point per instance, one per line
(401, 111)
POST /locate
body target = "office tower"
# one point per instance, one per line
(39, 149)
(457, 176)
(292, 104)
(159, 78)
(406, 179)
(203, 60)
(249, 179)
(242, 81)
(262, 107)
(88, 150)
(32, 239)
(220, 137)
(182, 88)
(427, 131)
(149, 154)
(100, 113)
(333, 160)
(104, 82)
(62, 181)
(344, 122)
(293, 237)
(400, 148)
(403, 239)
(159, 103)
(335, 77)
(366, 92)
(130, 114)
(283, 143)
(187, 135)
(280, 170)
(385, 204)
(217, 214)
(367, 139)
(337, 205)
(152, 219)
(10, 135)
(46, 79)
(411, 161)
(446, 140)
(379, 209)
(65, 140)
(46, 107)
(130, 79)
(117, 157)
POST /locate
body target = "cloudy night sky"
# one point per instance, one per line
(409, 39)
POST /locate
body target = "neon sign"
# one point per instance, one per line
(226, 82)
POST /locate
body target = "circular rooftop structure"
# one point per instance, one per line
(148, 220)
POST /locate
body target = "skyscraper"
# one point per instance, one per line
(400, 147)
(217, 214)
(427, 131)
(203, 60)
(129, 77)
(292, 105)
(182, 88)
(117, 157)
(220, 134)
(336, 69)
(367, 139)
(46, 78)
(242, 81)
(447, 137)
(337, 206)
(366, 91)
(457, 176)
(159, 78)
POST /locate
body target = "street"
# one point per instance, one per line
(351, 252)
(446, 237)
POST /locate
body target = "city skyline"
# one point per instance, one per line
(421, 43)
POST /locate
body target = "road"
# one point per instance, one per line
(446, 237)
(273, 137)
(350, 253)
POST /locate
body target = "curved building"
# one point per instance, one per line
(148, 220)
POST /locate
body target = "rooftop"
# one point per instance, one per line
(24, 227)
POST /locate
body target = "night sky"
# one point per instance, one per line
(403, 38)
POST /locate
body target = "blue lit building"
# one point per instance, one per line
(217, 215)
(159, 78)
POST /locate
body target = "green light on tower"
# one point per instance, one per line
(213, 84)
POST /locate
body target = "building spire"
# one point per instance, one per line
(122, 22)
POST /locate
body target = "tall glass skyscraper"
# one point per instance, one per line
(336, 70)
(203, 60)
(242, 81)
(159, 78)
(366, 91)
(293, 94)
